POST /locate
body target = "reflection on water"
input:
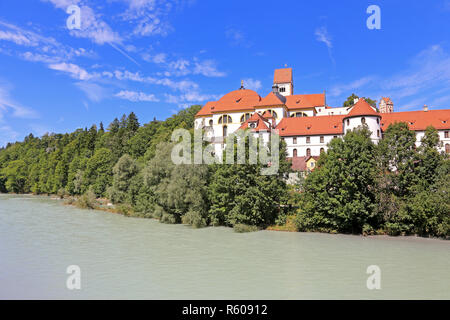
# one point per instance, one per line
(134, 258)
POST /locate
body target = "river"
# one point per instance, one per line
(131, 258)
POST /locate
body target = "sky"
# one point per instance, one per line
(156, 57)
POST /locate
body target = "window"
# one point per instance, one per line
(322, 150)
(225, 119)
(308, 139)
(378, 133)
(348, 122)
(282, 89)
(273, 113)
(363, 120)
(225, 131)
(308, 152)
(447, 148)
(322, 139)
(335, 137)
(294, 140)
(210, 123)
(445, 134)
(294, 153)
(378, 120)
(245, 117)
(312, 164)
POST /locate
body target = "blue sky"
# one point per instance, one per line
(155, 57)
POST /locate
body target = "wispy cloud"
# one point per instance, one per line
(9, 106)
(73, 70)
(93, 91)
(425, 79)
(323, 36)
(237, 37)
(252, 84)
(136, 96)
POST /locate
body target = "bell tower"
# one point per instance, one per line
(282, 78)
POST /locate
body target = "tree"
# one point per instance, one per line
(98, 172)
(340, 193)
(240, 194)
(124, 171)
(351, 101)
(396, 158)
(16, 175)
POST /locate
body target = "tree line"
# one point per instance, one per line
(358, 187)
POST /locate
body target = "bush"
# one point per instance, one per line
(241, 228)
(125, 209)
(87, 200)
(62, 193)
(194, 218)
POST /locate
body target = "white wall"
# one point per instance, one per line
(372, 122)
(315, 145)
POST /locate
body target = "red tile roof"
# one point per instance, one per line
(206, 110)
(299, 101)
(260, 123)
(282, 75)
(243, 99)
(362, 108)
(298, 163)
(418, 120)
(272, 99)
(304, 126)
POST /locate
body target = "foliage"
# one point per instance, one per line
(340, 193)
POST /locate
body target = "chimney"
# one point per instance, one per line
(242, 85)
(425, 107)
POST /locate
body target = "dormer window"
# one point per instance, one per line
(252, 124)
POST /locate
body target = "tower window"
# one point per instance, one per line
(308, 139)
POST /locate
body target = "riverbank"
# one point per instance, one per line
(104, 204)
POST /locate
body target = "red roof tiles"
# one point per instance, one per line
(304, 126)
(362, 108)
(282, 75)
(418, 120)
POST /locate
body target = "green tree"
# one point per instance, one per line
(340, 193)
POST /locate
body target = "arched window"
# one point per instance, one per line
(294, 153)
(363, 120)
(245, 117)
(298, 114)
(225, 119)
(308, 152)
(225, 131)
(273, 113)
(447, 148)
(322, 150)
(210, 123)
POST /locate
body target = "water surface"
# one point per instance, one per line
(134, 258)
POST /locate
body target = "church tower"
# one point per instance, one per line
(283, 79)
(386, 105)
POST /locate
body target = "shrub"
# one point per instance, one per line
(87, 200)
(241, 228)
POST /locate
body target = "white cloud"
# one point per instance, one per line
(323, 36)
(237, 38)
(136, 96)
(93, 91)
(75, 71)
(208, 69)
(8, 104)
(252, 84)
